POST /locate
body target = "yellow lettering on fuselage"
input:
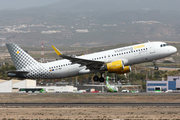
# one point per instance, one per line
(139, 46)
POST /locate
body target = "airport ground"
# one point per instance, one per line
(90, 112)
(90, 98)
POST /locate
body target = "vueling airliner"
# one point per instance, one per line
(116, 61)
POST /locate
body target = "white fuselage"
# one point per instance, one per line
(130, 55)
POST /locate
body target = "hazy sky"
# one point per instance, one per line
(19, 4)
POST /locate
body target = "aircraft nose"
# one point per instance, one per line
(174, 50)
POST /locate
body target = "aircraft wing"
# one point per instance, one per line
(90, 64)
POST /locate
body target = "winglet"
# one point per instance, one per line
(56, 50)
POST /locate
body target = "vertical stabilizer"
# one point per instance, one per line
(20, 58)
(107, 80)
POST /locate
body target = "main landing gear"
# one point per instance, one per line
(155, 66)
(100, 79)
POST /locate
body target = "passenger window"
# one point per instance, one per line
(161, 45)
(122, 53)
(119, 53)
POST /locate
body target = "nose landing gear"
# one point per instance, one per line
(155, 66)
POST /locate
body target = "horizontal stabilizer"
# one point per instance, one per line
(20, 74)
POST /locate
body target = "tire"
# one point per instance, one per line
(96, 78)
(156, 68)
(101, 79)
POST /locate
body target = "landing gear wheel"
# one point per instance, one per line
(101, 79)
(156, 68)
(96, 78)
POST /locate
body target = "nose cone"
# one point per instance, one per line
(174, 49)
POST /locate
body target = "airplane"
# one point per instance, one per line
(117, 61)
(109, 87)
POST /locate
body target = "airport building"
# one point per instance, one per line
(172, 83)
(9, 86)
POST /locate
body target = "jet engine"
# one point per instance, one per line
(126, 70)
(113, 67)
(116, 67)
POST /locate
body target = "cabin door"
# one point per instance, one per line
(151, 48)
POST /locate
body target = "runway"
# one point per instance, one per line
(89, 104)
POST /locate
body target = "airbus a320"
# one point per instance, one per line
(117, 61)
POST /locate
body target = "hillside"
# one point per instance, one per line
(106, 22)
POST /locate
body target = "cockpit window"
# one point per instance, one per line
(163, 45)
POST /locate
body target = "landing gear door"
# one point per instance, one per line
(151, 47)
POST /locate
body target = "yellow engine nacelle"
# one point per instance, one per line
(115, 66)
(126, 70)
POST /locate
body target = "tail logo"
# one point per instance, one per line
(17, 52)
